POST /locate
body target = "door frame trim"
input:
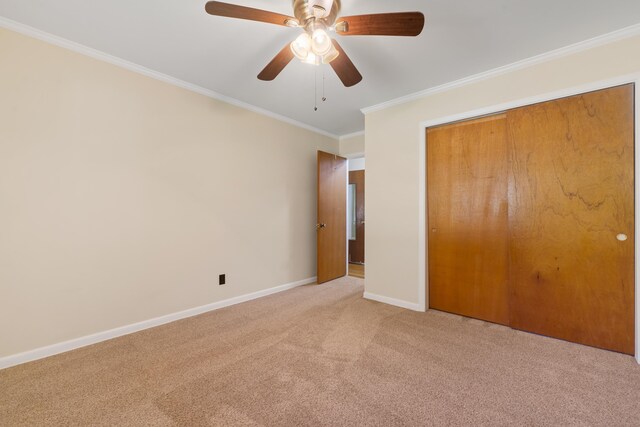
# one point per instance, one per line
(423, 277)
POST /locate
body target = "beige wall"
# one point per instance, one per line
(353, 145)
(393, 154)
(122, 198)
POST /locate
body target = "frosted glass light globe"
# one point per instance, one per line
(320, 42)
(301, 46)
(330, 56)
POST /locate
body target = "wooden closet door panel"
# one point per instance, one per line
(571, 192)
(467, 218)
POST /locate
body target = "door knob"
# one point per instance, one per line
(622, 237)
(321, 225)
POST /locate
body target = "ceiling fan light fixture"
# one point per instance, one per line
(301, 46)
(316, 18)
(320, 42)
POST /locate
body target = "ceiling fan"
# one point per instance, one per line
(316, 18)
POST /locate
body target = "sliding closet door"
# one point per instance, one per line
(467, 218)
(571, 219)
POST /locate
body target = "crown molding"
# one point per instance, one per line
(351, 135)
(604, 39)
(114, 60)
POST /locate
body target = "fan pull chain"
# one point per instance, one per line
(315, 89)
(324, 98)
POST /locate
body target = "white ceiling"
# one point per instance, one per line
(461, 38)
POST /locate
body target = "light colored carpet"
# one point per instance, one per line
(322, 355)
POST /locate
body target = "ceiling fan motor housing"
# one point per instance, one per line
(303, 10)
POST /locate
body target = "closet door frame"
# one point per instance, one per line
(423, 289)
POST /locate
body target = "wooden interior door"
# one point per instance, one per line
(356, 247)
(467, 177)
(332, 217)
(571, 194)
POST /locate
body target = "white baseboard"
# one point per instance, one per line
(393, 301)
(50, 350)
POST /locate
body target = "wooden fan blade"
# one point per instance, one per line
(219, 8)
(382, 24)
(277, 64)
(344, 68)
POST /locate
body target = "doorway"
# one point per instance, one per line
(340, 221)
(332, 217)
(356, 217)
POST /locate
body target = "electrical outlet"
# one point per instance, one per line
(222, 279)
